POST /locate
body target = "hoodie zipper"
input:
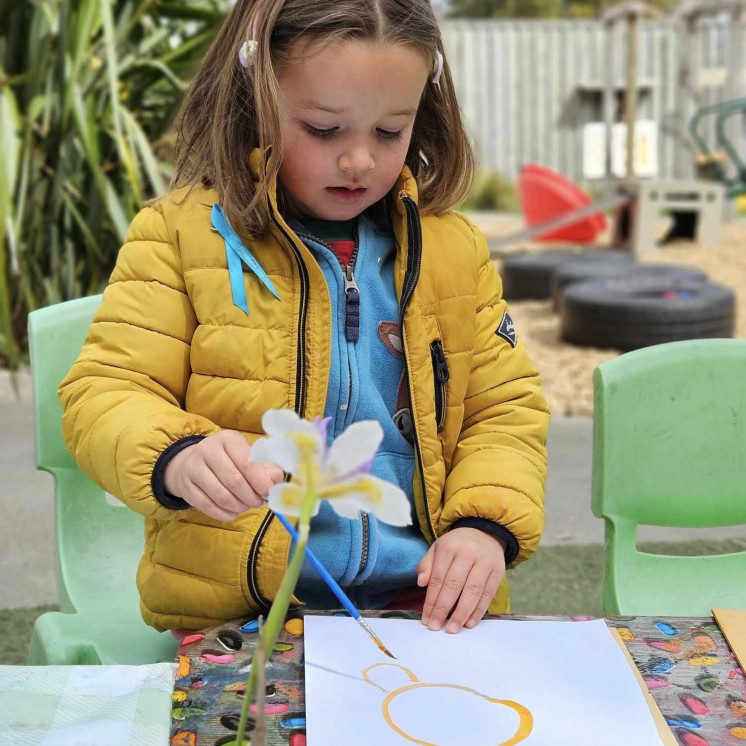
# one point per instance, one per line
(411, 278)
(351, 289)
(300, 407)
(352, 334)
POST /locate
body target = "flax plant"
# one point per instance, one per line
(88, 91)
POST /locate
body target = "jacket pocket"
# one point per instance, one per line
(440, 376)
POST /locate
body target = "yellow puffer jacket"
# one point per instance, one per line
(169, 355)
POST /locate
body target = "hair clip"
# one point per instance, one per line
(437, 68)
(246, 52)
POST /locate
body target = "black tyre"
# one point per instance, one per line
(579, 271)
(529, 275)
(628, 314)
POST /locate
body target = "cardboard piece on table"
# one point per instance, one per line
(666, 734)
(732, 624)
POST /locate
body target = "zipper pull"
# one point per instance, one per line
(441, 366)
(352, 305)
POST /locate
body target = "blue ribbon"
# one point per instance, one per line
(237, 253)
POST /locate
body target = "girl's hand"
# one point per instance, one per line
(465, 565)
(218, 477)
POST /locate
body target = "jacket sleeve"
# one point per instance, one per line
(498, 469)
(123, 399)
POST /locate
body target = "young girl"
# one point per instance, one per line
(309, 258)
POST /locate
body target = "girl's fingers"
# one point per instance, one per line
(217, 492)
(436, 574)
(424, 567)
(472, 594)
(490, 589)
(232, 481)
(275, 474)
(445, 586)
(200, 500)
(260, 477)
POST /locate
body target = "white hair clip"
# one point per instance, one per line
(437, 68)
(246, 52)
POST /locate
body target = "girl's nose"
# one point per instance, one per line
(356, 162)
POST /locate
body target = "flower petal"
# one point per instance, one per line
(349, 506)
(353, 449)
(380, 498)
(394, 508)
(280, 451)
(279, 423)
(287, 498)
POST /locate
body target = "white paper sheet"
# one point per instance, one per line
(557, 684)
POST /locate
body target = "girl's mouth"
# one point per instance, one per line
(345, 195)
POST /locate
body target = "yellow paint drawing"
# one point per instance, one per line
(526, 720)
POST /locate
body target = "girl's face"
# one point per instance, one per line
(347, 115)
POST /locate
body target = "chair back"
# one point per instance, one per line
(99, 541)
(669, 449)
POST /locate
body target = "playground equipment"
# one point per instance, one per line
(632, 11)
(580, 271)
(556, 209)
(628, 313)
(545, 194)
(714, 164)
(695, 206)
(531, 275)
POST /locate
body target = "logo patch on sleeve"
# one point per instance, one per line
(506, 330)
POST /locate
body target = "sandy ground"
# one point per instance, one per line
(567, 370)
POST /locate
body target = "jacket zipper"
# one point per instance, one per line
(411, 278)
(441, 376)
(300, 407)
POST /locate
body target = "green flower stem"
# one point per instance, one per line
(279, 609)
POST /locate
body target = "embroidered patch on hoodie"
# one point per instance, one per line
(506, 330)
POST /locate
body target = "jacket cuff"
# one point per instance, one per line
(156, 481)
(494, 529)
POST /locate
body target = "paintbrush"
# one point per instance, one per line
(335, 588)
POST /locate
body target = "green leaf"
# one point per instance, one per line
(10, 141)
(113, 80)
(142, 146)
(116, 212)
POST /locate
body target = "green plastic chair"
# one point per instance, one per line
(669, 449)
(99, 540)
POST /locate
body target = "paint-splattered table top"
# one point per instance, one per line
(685, 662)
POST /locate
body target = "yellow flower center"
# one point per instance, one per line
(308, 467)
(363, 485)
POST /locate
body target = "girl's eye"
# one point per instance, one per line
(386, 135)
(324, 134)
(321, 134)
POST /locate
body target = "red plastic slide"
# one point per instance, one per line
(545, 195)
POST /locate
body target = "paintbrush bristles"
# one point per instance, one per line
(375, 638)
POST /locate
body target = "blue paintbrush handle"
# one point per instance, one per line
(328, 579)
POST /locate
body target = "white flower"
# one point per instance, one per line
(338, 474)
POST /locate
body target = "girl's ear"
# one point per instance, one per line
(366, 674)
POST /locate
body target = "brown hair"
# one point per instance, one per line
(230, 110)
